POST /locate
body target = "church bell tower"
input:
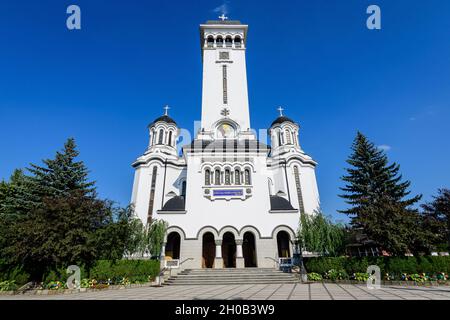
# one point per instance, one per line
(225, 93)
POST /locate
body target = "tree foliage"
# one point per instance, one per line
(52, 218)
(157, 231)
(436, 218)
(378, 199)
(317, 233)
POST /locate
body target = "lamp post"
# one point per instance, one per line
(298, 259)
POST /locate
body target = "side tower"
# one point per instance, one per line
(160, 174)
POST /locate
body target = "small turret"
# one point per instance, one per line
(163, 131)
(284, 132)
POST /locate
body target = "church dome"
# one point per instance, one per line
(280, 203)
(282, 119)
(174, 204)
(164, 118)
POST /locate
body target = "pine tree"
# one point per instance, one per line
(436, 216)
(62, 175)
(378, 198)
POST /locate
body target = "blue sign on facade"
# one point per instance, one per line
(228, 193)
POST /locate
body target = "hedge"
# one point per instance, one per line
(134, 270)
(102, 271)
(391, 265)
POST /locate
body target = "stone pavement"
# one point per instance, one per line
(313, 291)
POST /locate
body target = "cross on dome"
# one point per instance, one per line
(280, 109)
(223, 17)
(166, 110)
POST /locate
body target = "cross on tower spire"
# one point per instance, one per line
(280, 109)
(223, 17)
(166, 110)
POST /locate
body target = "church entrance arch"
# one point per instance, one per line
(209, 250)
(173, 246)
(284, 244)
(229, 250)
(249, 250)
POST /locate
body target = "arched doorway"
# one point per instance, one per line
(229, 250)
(249, 250)
(284, 244)
(173, 245)
(209, 250)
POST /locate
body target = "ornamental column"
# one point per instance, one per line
(218, 261)
(240, 263)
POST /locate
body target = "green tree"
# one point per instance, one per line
(62, 175)
(317, 233)
(436, 219)
(156, 233)
(53, 218)
(378, 199)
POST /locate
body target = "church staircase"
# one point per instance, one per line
(231, 276)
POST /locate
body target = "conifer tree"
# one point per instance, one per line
(378, 198)
(62, 175)
(436, 218)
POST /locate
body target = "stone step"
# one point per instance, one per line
(187, 278)
(233, 270)
(228, 282)
(231, 276)
(281, 275)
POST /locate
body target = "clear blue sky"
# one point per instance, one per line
(103, 84)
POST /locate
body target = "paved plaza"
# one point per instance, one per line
(313, 291)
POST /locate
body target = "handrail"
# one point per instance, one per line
(188, 259)
(274, 260)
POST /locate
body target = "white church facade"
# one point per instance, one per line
(230, 200)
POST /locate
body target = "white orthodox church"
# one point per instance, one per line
(230, 200)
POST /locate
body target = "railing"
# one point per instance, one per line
(185, 260)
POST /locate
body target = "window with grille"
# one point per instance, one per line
(247, 177)
(217, 177)
(299, 190)
(237, 177)
(207, 177)
(152, 195)
(225, 89)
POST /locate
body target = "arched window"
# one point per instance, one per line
(170, 138)
(287, 134)
(161, 136)
(207, 177)
(217, 177)
(228, 42)
(247, 177)
(237, 177)
(154, 137)
(219, 42)
(279, 138)
(210, 41)
(227, 177)
(237, 42)
(183, 189)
